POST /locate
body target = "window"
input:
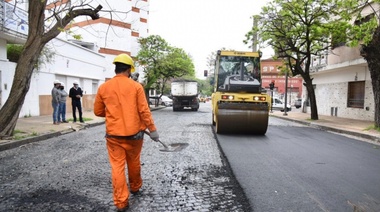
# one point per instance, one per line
(355, 97)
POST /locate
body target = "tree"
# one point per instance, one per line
(176, 63)
(38, 37)
(152, 49)
(367, 34)
(162, 62)
(297, 30)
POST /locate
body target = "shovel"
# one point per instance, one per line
(176, 147)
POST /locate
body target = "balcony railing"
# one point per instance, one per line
(13, 22)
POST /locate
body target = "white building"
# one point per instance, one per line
(342, 82)
(89, 61)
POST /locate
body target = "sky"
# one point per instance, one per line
(201, 27)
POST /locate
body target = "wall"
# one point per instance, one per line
(7, 73)
(71, 62)
(343, 54)
(332, 91)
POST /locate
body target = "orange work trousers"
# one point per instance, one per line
(119, 152)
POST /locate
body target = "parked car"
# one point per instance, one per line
(298, 103)
(154, 100)
(166, 101)
(277, 104)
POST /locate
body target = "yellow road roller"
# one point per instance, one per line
(239, 103)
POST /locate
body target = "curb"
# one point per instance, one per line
(16, 143)
(332, 129)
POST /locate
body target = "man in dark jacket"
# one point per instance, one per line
(76, 94)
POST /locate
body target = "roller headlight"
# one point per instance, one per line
(229, 97)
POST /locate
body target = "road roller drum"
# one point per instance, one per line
(242, 121)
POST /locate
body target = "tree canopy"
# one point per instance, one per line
(299, 29)
(162, 62)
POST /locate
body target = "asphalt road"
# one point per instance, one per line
(291, 168)
(297, 168)
(72, 173)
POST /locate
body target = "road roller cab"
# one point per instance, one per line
(238, 103)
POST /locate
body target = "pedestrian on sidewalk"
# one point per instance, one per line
(122, 101)
(62, 104)
(76, 94)
(55, 101)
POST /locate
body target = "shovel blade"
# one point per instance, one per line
(175, 147)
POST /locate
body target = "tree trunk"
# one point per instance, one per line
(20, 86)
(371, 54)
(37, 38)
(311, 95)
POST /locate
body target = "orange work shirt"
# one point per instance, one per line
(122, 101)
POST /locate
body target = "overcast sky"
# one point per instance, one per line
(204, 26)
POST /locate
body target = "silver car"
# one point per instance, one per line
(166, 101)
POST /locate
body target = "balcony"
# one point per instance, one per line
(13, 23)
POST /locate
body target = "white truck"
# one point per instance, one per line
(184, 94)
(277, 104)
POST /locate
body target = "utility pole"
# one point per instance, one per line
(286, 91)
(254, 36)
(271, 87)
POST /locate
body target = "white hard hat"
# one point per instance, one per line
(75, 82)
(62, 84)
(56, 82)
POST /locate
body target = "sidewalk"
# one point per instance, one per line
(347, 126)
(36, 128)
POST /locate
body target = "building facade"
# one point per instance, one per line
(342, 81)
(271, 73)
(88, 60)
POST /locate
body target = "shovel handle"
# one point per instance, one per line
(165, 146)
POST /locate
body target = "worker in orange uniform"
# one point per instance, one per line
(122, 101)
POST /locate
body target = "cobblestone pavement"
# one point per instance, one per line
(72, 173)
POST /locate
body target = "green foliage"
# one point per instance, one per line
(84, 119)
(46, 56)
(153, 49)
(14, 51)
(162, 62)
(205, 88)
(299, 29)
(372, 127)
